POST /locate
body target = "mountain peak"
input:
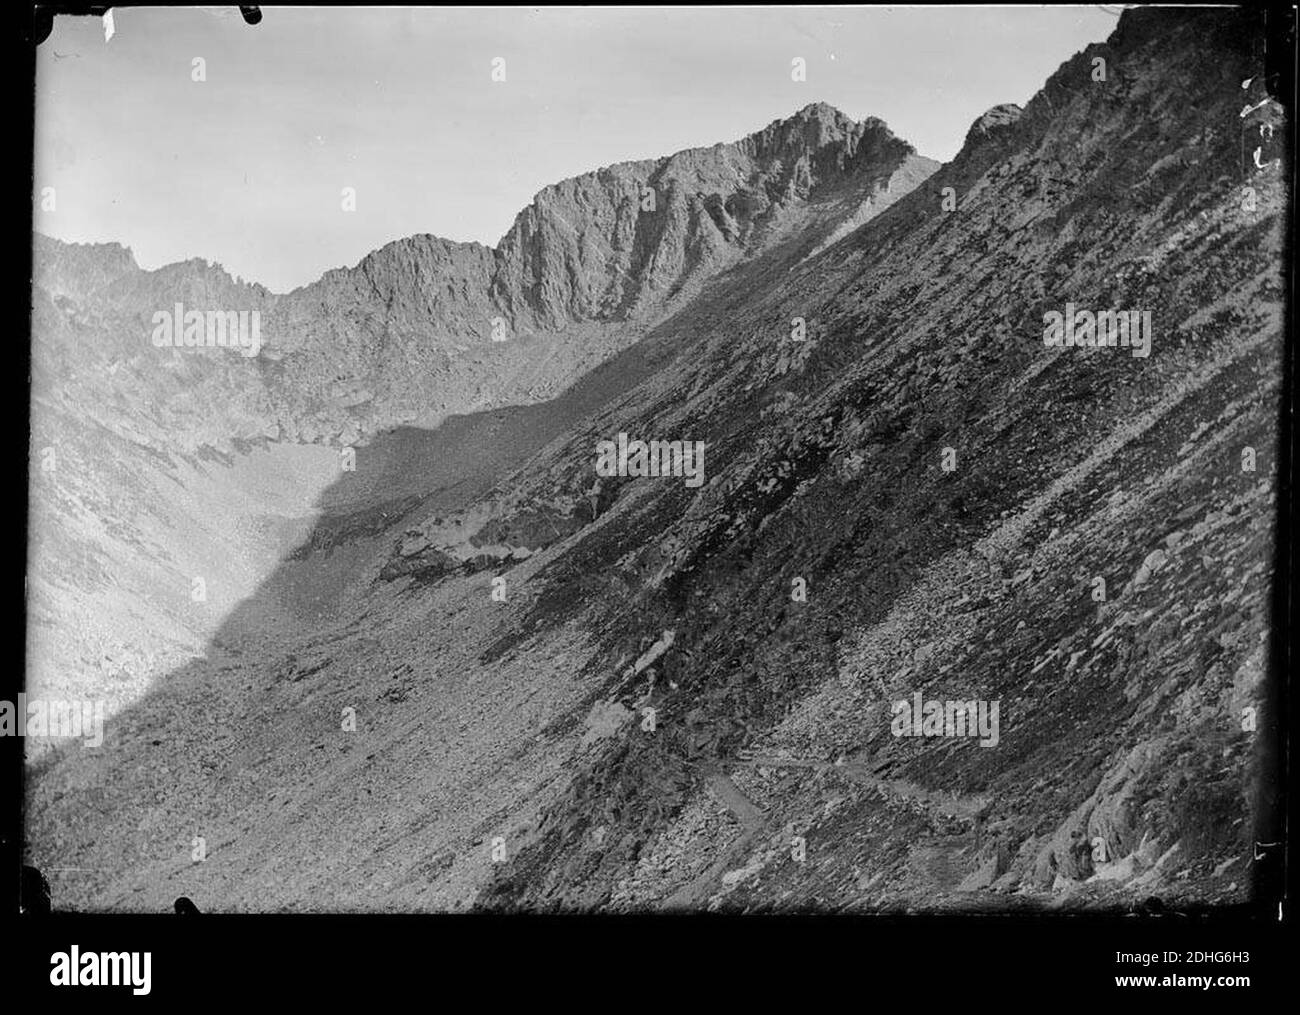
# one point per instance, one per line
(816, 124)
(823, 111)
(822, 132)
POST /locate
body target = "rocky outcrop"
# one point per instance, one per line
(992, 124)
(76, 271)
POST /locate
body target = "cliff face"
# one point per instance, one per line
(587, 250)
(911, 494)
(424, 327)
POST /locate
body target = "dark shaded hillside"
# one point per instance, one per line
(1122, 719)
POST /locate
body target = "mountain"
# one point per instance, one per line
(470, 677)
(407, 335)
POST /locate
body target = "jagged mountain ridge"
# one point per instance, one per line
(407, 334)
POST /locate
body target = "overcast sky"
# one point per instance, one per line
(247, 167)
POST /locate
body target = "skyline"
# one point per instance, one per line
(247, 167)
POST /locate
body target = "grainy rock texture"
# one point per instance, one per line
(569, 695)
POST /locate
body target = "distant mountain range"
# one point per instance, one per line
(424, 327)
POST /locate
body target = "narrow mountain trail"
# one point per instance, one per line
(969, 807)
(697, 891)
(972, 808)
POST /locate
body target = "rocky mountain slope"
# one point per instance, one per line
(478, 680)
(404, 337)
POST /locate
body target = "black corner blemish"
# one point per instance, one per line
(43, 17)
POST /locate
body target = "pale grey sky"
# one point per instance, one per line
(247, 167)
